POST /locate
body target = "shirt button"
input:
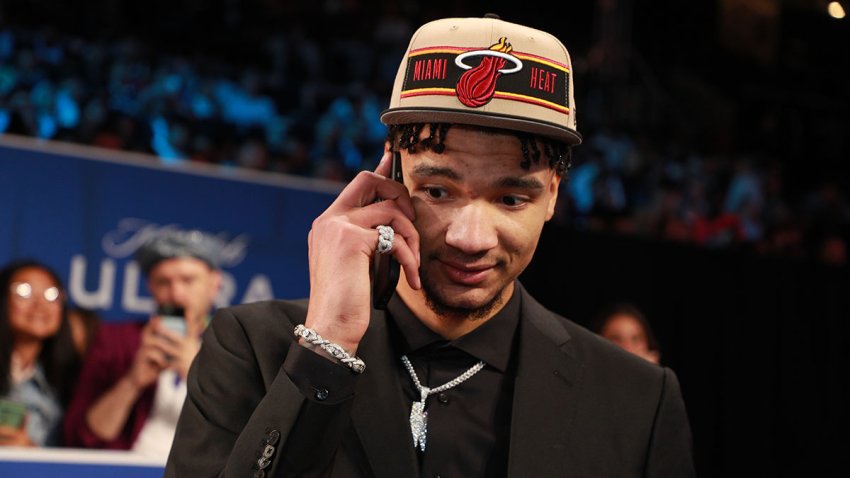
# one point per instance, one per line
(260, 474)
(321, 394)
(443, 398)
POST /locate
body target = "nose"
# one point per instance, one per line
(175, 294)
(40, 302)
(472, 229)
(178, 295)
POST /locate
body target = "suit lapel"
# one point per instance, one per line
(378, 409)
(544, 402)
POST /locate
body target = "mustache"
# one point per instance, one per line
(454, 256)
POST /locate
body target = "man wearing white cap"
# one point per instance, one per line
(457, 371)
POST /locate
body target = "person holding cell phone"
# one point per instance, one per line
(38, 359)
(133, 382)
(461, 373)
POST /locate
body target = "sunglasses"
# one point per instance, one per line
(24, 291)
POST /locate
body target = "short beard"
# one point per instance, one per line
(436, 304)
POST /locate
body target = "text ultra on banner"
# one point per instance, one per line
(84, 211)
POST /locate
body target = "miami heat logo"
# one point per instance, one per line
(477, 77)
(476, 86)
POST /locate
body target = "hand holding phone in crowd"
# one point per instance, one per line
(13, 419)
(181, 344)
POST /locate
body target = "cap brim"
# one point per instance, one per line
(479, 118)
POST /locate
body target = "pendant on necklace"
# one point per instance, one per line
(419, 420)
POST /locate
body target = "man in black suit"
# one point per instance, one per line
(462, 373)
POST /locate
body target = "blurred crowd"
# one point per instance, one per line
(628, 184)
(67, 378)
(297, 114)
(310, 107)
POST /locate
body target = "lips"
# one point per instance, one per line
(466, 274)
(39, 325)
(39, 319)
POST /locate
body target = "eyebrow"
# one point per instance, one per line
(426, 171)
(510, 182)
(529, 183)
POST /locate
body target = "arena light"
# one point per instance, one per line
(835, 10)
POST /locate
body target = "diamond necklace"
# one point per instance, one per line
(418, 415)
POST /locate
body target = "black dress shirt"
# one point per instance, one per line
(468, 425)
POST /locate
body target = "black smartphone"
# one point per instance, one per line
(173, 317)
(385, 269)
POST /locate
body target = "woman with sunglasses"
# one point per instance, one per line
(38, 360)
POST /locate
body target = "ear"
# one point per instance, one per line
(554, 186)
(215, 284)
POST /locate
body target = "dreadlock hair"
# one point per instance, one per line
(558, 154)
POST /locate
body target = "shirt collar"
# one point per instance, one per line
(34, 375)
(40, 378)
(492, 342)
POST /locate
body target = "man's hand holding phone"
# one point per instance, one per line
(181, 342)
(165, 345)
(342, 243)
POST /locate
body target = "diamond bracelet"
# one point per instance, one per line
(355, 364)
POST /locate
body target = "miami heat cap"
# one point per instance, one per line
(486, 72)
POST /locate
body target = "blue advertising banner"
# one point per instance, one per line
(84, 211)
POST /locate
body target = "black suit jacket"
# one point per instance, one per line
(582, 406)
